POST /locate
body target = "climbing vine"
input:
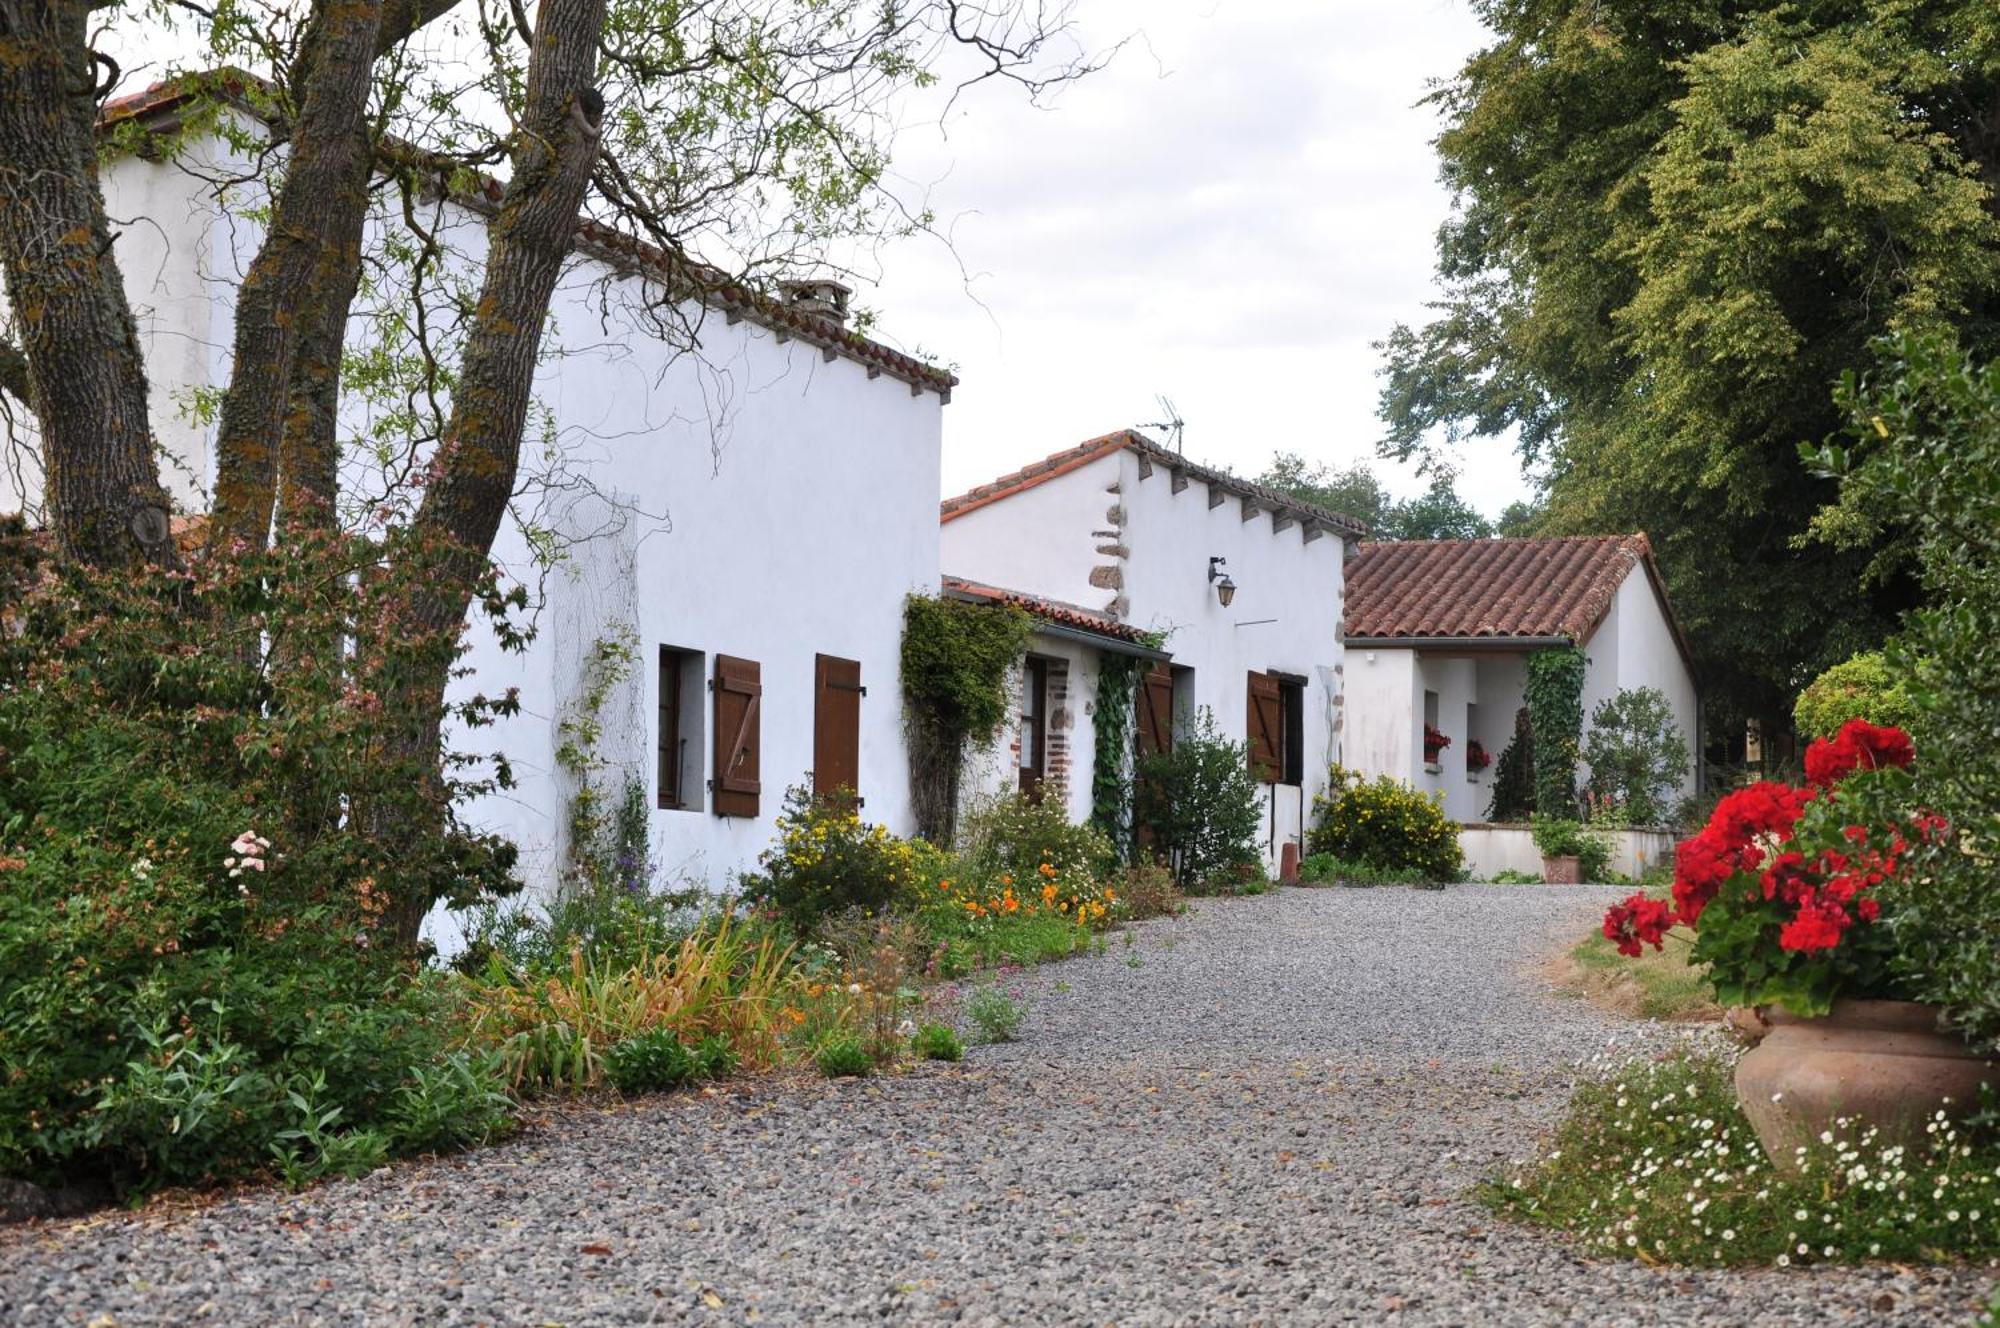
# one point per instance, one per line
(1555, 715)
(1110, 788)
(606, 843)
(956, 661)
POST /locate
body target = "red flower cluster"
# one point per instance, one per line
(1858, 746)
(1824, 890)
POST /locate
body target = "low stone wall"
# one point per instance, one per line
(1491, 849)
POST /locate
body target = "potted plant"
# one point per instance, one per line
(1571, 854)
(1477, 758)
(1782, 890)
(1435, 741)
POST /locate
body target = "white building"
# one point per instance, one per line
(719, 540)
(1240, 584)
(1438, 633)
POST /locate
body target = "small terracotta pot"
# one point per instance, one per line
(1889, 1064)
(1562, 871)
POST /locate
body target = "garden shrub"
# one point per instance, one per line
(843, 1055)
(1385, 824)
(1199, 802)
(1554, 692)
(1560, 837)
(937, 1042)
(1514, 775)
(1927, 458)
(995, 1013)
(1656, 1161)
(1147, 890)
(1865, 686)
(828, 860)
(657, 1061)
(1637, 756)
(1016, 835)
(200, 927)
(607, 922)
(1327, 869)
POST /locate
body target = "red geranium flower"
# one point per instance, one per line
(1638, 922)
(1858, 746)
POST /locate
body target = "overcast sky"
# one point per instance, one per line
(1229, 215)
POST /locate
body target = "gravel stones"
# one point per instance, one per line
(1266, 1112)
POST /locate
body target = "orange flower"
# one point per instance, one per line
(1048, 871)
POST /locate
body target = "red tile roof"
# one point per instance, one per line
(1472, 589)
(1061, 463)
(679, 274)
(1047, 610)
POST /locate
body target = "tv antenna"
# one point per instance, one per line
(1173, 424)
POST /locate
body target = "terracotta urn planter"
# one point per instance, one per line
(1562, 871)
(1888, 1064)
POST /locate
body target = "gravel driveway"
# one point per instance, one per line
(1263, 1113)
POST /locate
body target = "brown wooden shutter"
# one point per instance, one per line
(1266, 728)
(739, 694)
(1155, 726)
(837, 694)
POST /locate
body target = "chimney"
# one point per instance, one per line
(821, 297)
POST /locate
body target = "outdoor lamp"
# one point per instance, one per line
(1225, 589)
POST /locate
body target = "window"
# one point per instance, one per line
(1431, 753)
(1153, 727)
(1277, 728)
(677, 782)
(1034, 724)
(837, 693)
(738, 696)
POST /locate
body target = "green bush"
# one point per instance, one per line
(1199, 802)
(1385, 824)
(1558, 837)
(843, 1056)
(1327, 869)
(608, 923)
(1865, 686)
(1637, 755)
(1015, 835)
(937, 1042)
(996, 1016)
(1514, 776)
(658, 1061)
(828, 861)
(1928, 459)
(1655, 1161)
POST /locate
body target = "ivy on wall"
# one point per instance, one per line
(1110, 789)
(956, 661)
(1555, 716)
(1514, 776)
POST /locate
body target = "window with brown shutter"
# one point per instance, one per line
(1154, 728)
(837, 693)
(739, 693)
(1265, 730)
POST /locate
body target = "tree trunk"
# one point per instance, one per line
(311, 252)
(555, 149)
(86, 376)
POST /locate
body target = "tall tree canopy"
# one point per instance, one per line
(1437, 513)
(1677, 223)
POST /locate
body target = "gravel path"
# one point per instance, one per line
(1264, 1113)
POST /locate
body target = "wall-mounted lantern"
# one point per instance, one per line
(1225, 589)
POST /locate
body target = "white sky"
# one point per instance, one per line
(1229, 215)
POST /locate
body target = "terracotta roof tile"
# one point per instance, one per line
(1047, 610)
(1071, 458)
(709, 285)
(1490, 587)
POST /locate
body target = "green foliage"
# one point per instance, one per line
(957, 658)
(1147, 890)
(1669, 240)
(1386, 825)
(1437, 513)
(843, 1056)
(1327, 869)
(995, 1014)
(1110, 789)
(1200, 802)
(1604, 1178)
(828, 861)
(1508, 876)
(1559, 837)
(657, 1061)
(1862, 687)
(1514, 776)
(1927, 458)
(1015, 835)
(197, 920)
(937, 1042)
(1637, 755)
(1554, 693)
(606, 922)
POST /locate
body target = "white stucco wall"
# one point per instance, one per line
(1638, 641)
(1106, 538)
(748, 497)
